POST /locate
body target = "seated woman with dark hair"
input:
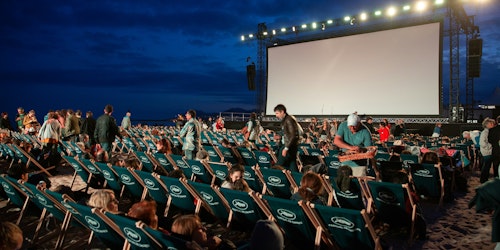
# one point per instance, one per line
(311, 189)
(190, 228)
(145, 211)
(234, 179)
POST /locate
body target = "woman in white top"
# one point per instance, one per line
(485, 148)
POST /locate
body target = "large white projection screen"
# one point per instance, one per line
(391, 72)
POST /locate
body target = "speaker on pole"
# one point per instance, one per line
(474, 57)
(251, 76)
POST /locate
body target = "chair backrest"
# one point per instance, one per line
(244, 208)
(110, 235)
(179, 196)
(408, 159)
(228, 154)
(200, 171)
(428, 180)
(134, 235)
(333, 164)
(131, 181)
(178, 162)
(15, 195)
(352, 198)
(212, 198)
(294, 222)
(91, 166)
(213, 153)
(387, 197)
(251, 178)
(247, 156)
(389, 169)
(220, 171)
(382, 156)
(350, 229)
(80, 169)
(155, 190)
(263, 158)
(146, 163)
(276, 182)
(112, 179)
(163, 161)
(166, 241)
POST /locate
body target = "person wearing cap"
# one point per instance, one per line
(352, 135)
(291, 133)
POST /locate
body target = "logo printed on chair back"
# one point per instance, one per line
(227, 153)
(241, 206)
(209, 198)
(275, 181)
(196, 169)
(315, 153)
(126, 180)
(343, 223)
(144, 159)
(150, 184)
(246, 155)
(248, 176)
(181, 164)
(176, 191)
(107, 175)
(163, 161)
(6, 188)
(263, 159)
(212, 153)
(76, 166)
(387, 197)
(288, 216)
(423, 173)
(134, 238)
(43, 201)
(70, 208)
(95, 225)
(92, 169)
(220, 174)
(334, 164)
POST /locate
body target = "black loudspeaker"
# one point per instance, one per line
(475, 53)
(251, 76)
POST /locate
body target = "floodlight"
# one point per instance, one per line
(329, 21)
(421, 5)
(304, 26)
(283, 29)
(314, 25)
(439, 2)
(293, 28)
(391, 11)
(363, 16)
(274, 32)
(264, 33)
(347, 18)
(250, 36)
(378, 13)
(242, 38)
(406, 7)
(323, 26)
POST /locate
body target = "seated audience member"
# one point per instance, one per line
(163, 146)
(202, 155)
(311, 189)
(399, 129)
(189, 227)
(234, 179)
(20, 172)
(145, 211)
(266, 235)
(343, 179)
(176, 173)
(11, 236)
(104, 199)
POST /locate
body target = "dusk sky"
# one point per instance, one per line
(160, 58)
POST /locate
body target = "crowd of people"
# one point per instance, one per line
(97, 138)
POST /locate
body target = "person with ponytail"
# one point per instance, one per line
(311, 189)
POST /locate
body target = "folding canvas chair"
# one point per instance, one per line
(131, 182)
(296, 225)
(332, 163)
(16, 195)
(251, 178)
(156, 189)
(129, 144)
(201, 171)
(179, 196)
(350, 229)
(220, 171)
(313, 151)
(80, 170)
(228, 155)
(275, 182)
(111, 178)
(428, 180)
(408, 159)
(247, 156)
(244, 208)
(141, 144)
(351, 199)
(390, 201)
(27, 159)
(388, 169)
(180, 163)
(144, 159)
(213, 153)
(264, 159)
(166, 241)
(77, 148)
(161, 160)
(212, 199)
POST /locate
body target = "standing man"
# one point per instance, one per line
(291, 133)
(126, 124)
(88, 127)
(191, 134)
(71, 126)
(494, 139)
(19, 119)
(106, 130)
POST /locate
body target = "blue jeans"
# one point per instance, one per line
(485, 168)
(106, 146)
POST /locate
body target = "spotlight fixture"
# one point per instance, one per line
(323, 26)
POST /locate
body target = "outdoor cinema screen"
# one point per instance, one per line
(391, 72)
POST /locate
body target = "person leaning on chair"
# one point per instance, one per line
(352, 135)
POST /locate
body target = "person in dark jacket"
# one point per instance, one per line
(106, 129)
(291, 133)
(5, 123)
(88, 127)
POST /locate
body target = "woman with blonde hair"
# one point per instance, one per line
(104, 199)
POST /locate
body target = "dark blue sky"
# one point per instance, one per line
(159, 58)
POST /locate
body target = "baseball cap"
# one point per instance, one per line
(353, 120)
